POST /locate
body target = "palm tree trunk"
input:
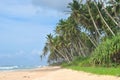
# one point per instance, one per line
(92, 41)
(104, 19)
(64, 56)
(93, 19)
(109, 14)
(81, 49)
(69, 53)
(76, 49)
(83, 46)
(72, 52)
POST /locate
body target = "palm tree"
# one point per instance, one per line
(81, 16)
(92, 18)
(51, 46)
(81, 32)
(103, 19)
(109, 14)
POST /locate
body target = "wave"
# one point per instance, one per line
(8, 67)
(2, 68)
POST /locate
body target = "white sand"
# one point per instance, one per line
(52, 73)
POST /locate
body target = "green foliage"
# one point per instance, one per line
(107, 53)
(83, 64)
(81, 34)
(97, 70)
(78, 61)
(90, 30)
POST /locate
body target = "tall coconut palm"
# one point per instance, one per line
(92, 18)
(103, 19)
(51, 46)
(81, 32)
(81, 16)
(70, 32)
(111, 17)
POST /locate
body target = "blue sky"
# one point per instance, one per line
(24, 25)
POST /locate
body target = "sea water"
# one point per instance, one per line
(20, 67)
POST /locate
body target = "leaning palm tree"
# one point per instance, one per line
(71, 34)
(92, 18)
(51, 46)
(107, 12)
(103, 18)
(78, 35)
(81, 16)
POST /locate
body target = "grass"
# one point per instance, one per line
(97, 70)
(83, 64)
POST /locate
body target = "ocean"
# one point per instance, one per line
(21, 67)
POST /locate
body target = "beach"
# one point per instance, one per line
(52, 73)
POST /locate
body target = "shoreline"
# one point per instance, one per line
(52, 73)
(22, 69)
(27, 69)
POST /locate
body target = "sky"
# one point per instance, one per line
(24, 25)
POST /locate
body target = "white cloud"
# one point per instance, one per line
(17, 9)
(60, 5)
(45, 12)
(31, 30)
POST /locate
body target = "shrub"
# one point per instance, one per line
(107, 53)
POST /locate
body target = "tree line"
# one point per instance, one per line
(90, 23)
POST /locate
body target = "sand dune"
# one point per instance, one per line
(52, 73)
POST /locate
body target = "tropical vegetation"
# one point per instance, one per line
(97, 70)
(90, 34)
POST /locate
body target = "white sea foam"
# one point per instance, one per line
(8, 67)
(4, 68)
